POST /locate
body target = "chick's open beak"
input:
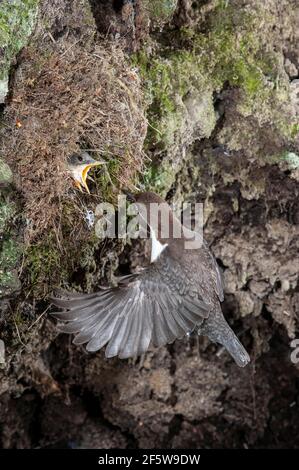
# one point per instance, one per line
(80, 173)
(85, 170)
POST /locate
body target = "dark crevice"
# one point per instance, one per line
(175, 427)
(118, 4)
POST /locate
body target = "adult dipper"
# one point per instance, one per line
(179, 292)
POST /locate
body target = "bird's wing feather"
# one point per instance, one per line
(148, 309)
(215, 272)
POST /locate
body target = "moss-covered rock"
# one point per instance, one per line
(17, 19)
(159, 177)
(180, 99)
(5, 173)
(160, 11)
(9, 256)
(181, 85)
(7, 211)
(10, 248)
(292, 160)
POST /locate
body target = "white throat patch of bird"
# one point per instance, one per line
(180, 292)
(157, 246)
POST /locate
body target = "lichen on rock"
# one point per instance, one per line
(17, 19)
(5, 173)
(9, 256)
(160, 11)
(10, 248)
(182, 84)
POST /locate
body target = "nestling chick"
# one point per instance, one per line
(79, 165)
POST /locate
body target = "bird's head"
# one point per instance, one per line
(157, 214)
(79, 165)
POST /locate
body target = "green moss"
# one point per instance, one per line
(48, 265)
(160, 9)
(17, 20)
(7, 211)
(167, 82)
(211, 60)
(10, 249)
(108, 178)
(229, 52)
(159, 178)
(42, 261)
(9, 255)
(224, 57)
(294, 130)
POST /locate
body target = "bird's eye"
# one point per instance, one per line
(80, 158)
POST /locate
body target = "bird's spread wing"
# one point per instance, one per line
(152, 308)
(217, 279)
(215, 272)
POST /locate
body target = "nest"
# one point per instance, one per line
(63, 102)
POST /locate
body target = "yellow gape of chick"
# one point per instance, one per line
(79, 165)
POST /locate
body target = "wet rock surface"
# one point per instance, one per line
(223, 130)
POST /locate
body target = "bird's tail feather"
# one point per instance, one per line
(218, 330)
(236, 350)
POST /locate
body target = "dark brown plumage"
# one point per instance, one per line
(179, 292)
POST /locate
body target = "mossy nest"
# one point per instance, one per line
(61, 102)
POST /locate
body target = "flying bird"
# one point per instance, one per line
(79, 165)
(179, 292)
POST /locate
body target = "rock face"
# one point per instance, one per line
(17, 20)
(218, 84)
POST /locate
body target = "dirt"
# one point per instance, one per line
(189, 394)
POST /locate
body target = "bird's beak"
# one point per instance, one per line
(85, 170)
